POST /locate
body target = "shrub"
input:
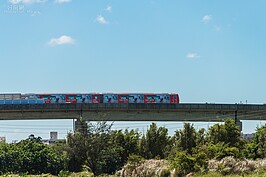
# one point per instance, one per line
(183, 163)
(165, 173)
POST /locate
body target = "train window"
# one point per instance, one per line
(131, 97)
(156, 97)
(149, 97)
(79, 97)
(71, 97)
(123, 97)
(115, 97)
(45, 97)
(96, 97)
(53, 98)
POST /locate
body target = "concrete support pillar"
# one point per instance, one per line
(80, 124)
(77, 124)
(74, 125)
(237, 121)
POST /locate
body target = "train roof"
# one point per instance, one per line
(129, 93)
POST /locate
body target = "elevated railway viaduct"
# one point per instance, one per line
(135, 112)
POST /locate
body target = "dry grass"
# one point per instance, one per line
(148, 168)
(80, 174)
(230, 165)
(215, 174)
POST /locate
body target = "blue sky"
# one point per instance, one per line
(207, 51)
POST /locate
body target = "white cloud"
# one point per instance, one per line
(109, 8)
(100, 19)
(61, 40)
(61, 1)
(192, 55)
(25, 1)
(35, 13)
(206, 19)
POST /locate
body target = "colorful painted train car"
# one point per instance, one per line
(60, 98)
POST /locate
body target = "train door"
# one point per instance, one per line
(110, 98)
(96, 98)
(71, 98)
(86, 98)
(123, 99)
(45, 98)
(135, 98)
(162, 98)
(149, 98)
(57, 98)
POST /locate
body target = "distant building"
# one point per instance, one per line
(248, 137)
(14, 141)
(2, 139)
(53, 139)
(53, 135)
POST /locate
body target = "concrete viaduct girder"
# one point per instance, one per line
(135, 112)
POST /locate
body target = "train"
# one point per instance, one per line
(95, 98)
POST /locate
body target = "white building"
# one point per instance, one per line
(2, 139)
(53, 139)
(248, 137)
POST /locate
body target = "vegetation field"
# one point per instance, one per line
(98, 149)
(87, 174)
(64, 174)
(232, 175)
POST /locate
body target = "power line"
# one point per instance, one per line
(173, 125)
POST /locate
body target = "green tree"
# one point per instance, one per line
(30, 156)
(37, 158)
(77, 146)
(260, 140)
(156, 142)
(92, 145)
(183, 163)
(257, 147)
(127, 141)
(201, 137)
(76, 150)
(228, 133)
(187, 138)
(221, 150)
(99, 142)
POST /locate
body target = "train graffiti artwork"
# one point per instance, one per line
(95, 98)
